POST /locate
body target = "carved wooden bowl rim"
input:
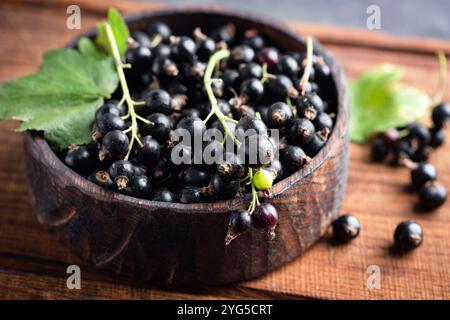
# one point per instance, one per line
(338, 77)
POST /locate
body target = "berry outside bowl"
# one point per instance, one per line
(183, 244)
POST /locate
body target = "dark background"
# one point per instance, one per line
(402, 17)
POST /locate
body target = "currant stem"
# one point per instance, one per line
(266, 75)
(255, 199)
(155, 40)
(442, 78)
(293, 108)
(207, 82)
(308, 67)
(126, 92)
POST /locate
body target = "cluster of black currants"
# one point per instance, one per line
(411, 146)
(255, 88)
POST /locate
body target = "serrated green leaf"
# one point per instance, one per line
(379, 101)
(62, 97)
(119, 29)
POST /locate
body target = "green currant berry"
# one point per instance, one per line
(263, 179)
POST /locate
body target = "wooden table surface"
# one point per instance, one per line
(33, 265)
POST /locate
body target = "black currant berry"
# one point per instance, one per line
(109, 108)
(159, 127)
(309, 106)
(222, 188)
(195, 177)
(252, 89)
(141, 38)
(379, 149)
(244, 111)
(250, 70)
(419, 133)
(423, 173)
(165, 68)
(345, 228)
(240, 221)
(139, 170)
(322, 72)
(193, 73)
(157, 100)
(140, 58)
(191, 112)
(175, 86)
(80, 159)
(230, 78)
(437, 137)
(190, 195)
(276, 168)
(288, 66)
(161, 52)
(180, 156)
(185, 49)
(402, 149)
(148, 154)
(293, 157)
(265, 216)
(101, 177)
(242, 54)
(160, 171)
(441, 115)
(315, 145)
(164, 195)
(432, 195)
(323, 121)
(141, 187)
(212, 153)
(108, 122)
(250, 125)
(421, 154)
(194, 126)
(114, 146)
(279, 115)
(225, 33)
(407, 236)
(161, 29)
(257, 150)
(255, 41)
(282, 87)
(121, 172)
(205, 48)
(231, 167)
(301, 132)
(268, 55)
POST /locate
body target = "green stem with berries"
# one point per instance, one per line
(214, 60)
(308, 68)
(126, 98)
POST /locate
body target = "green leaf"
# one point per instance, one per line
(61, 99)
(120, 31)
(379, 101)
(87, 46)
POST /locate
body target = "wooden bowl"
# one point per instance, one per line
(183, 244)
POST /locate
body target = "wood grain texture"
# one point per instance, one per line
(33, 265)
